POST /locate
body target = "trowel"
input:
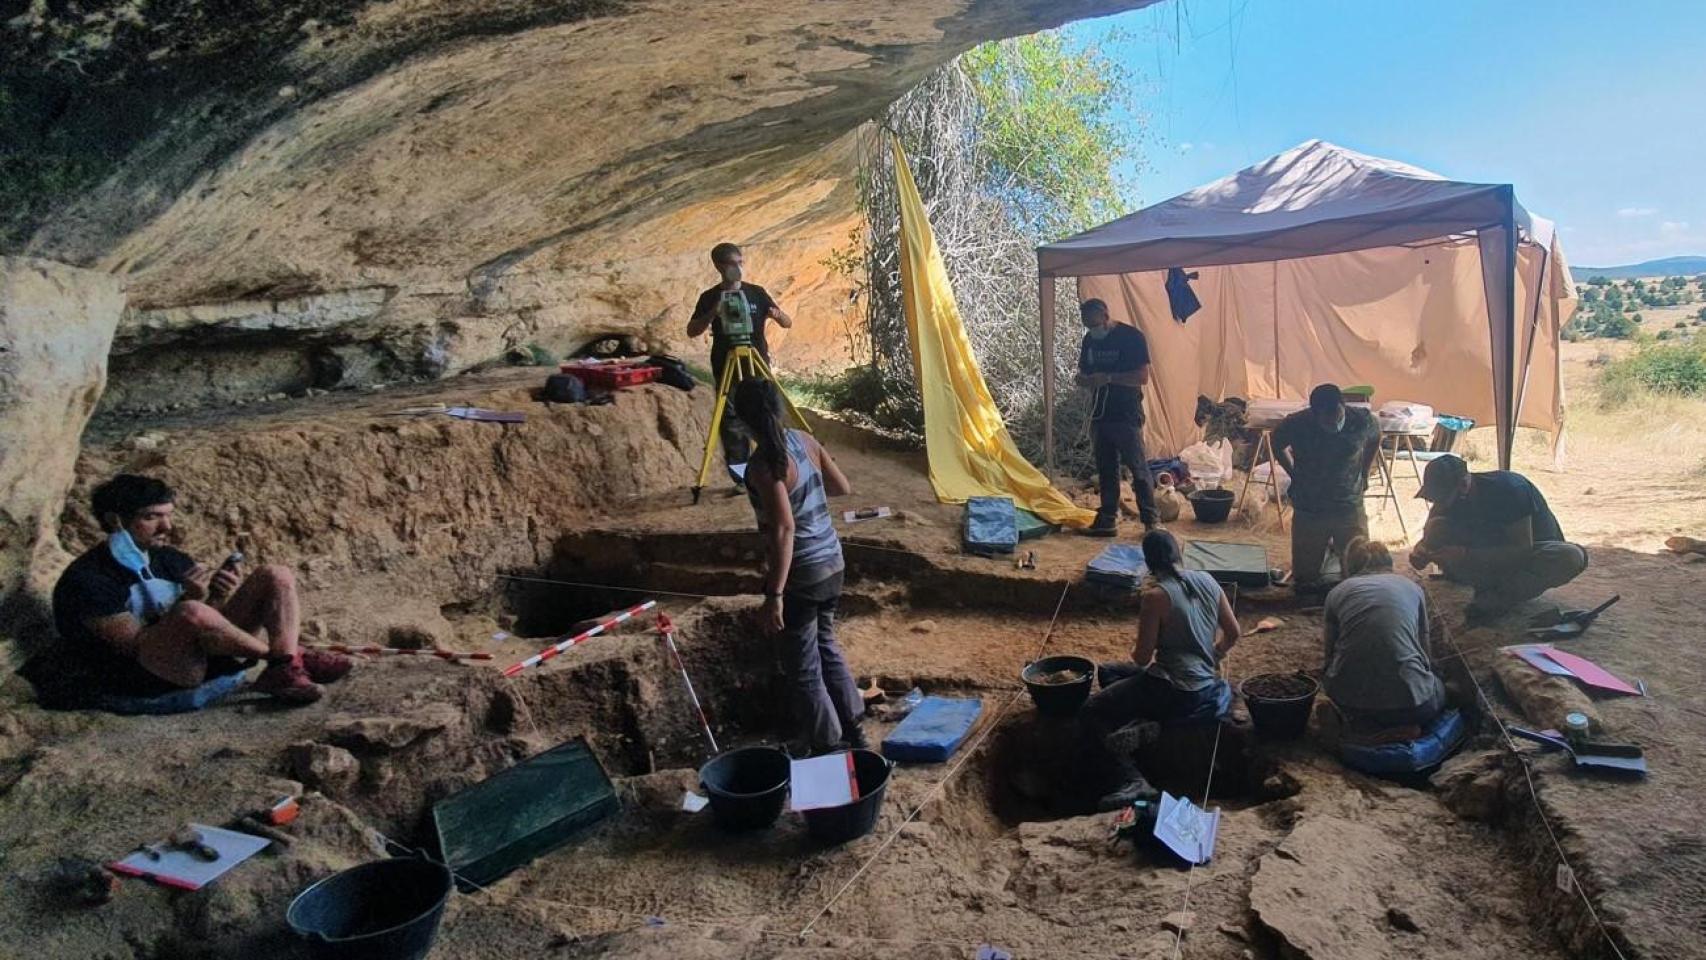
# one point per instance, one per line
(1559, 624)
(1622, 759)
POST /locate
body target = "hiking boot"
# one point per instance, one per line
(323, 666)
(1132, 737)
(1104, 526)
(287, 682)
(1127, 794)
(853, 734)
(1484, 609)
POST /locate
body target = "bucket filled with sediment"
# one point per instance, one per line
(747, 787)
(1280, 703)
(1059, 685)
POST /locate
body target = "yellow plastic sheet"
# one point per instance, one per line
(971, 453)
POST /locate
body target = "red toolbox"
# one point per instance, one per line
(613, 376)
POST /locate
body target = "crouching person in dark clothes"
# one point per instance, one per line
(1495, 532)
(1375, 633)
(1114, 363)
(789, 480)
(137, 618)
(1174, 673)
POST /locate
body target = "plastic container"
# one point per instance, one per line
(747, 787)
(851, 821)
(380, 910)
(1059, 699)
(1211, 506)
(1280, 717)
(613, 376)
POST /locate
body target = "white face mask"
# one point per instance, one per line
(1097, 333)
(1337, 427)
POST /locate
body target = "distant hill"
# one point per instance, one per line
(1668, 267)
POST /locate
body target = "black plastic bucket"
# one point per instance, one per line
(1211, 506)
(747, 787)
(1280, 718)
(380, 910)
(853, 820)
(1059, 699)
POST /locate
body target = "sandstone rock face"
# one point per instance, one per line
(433, 183)
(56, 325)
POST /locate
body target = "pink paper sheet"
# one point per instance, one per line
(1592, 673)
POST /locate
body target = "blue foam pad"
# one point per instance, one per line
(1440, 740)
(1119, 565)
(178, 701)
(933, 731)
(992, 525)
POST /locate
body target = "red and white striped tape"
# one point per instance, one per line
(666, 630)
(374, 650)
(562, 645)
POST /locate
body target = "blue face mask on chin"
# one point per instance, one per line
(152, 596)
(128, 554)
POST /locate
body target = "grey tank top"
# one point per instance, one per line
(817, 549)
(1184, 655)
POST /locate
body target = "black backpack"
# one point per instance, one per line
(674, 371)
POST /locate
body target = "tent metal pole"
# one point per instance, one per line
(1540, 286)
(1045, 311)
(1507, 411)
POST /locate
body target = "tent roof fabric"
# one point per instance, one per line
(1316, 198)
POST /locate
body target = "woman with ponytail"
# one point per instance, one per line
(789, 480)
(1174, 674)
(1375, 626)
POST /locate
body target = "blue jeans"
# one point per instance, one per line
(825, 697)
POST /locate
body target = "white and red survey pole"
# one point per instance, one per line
(562, 645)
(666, 630)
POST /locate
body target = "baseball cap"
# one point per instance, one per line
(1325, 398)
(1442, 476)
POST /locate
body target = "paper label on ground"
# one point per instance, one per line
(693, 802)
(825, 781)
(1566, 878)
(852, 516)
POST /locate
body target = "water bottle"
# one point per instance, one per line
(908, 703)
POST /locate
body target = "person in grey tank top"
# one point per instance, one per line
(789, 481)
(1376, 667)
(1174, 674)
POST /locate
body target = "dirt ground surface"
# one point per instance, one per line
(427, 530)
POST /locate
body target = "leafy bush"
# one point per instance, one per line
(1675, 367)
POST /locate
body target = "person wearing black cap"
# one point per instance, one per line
(1114, 362)
(1495, 532)
(1327, 449)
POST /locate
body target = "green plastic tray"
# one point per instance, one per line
(1245, 564)
(534, 807)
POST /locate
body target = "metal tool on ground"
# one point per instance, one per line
(1564, 624)
(1622, 759)
(375, 650)
(743, 363)
(581, 637)
(666, 630)
(1026, 561)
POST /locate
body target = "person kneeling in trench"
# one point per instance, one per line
(1375, 632)
(138, 618)
(789, 480)
(1174, 673)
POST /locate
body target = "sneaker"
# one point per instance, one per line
(1104, 527)
(1132, 737)
(323, 666)
(1126, 795)
(289, 683)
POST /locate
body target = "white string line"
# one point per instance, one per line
(1533, 793)
(989, 728)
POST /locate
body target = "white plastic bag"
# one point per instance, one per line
(1259, 478)
(1210, 463)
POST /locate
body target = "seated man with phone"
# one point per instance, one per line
(138, 618)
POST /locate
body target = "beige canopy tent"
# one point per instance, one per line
(1327, 265)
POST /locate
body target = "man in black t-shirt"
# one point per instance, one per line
(1494, 531)
(1114, 363)
(1327, 451)
(137, 618)
(727, 258)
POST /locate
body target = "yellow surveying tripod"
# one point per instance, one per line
(743, 362)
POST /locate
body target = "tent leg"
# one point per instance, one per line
(1045, 313)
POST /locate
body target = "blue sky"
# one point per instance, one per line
(1596, 111)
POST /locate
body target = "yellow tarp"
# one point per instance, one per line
(971, 453)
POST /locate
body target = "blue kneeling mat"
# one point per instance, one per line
(1439, 741)
(933, 731)
(187, 700)
(992, 525)
(1119, 565)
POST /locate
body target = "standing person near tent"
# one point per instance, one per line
(728, 260)
(789, 481)
(1327, 449)
(1495, 532)
(1375, 647)
(1114, 363)
(1173, 675)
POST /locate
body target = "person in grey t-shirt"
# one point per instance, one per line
(1376, 651)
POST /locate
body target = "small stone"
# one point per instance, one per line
(331, 770)
(275, 397)
(1401, 920)
(1179, 921)
(1234, 931)
(1121, 926)
(924, 626)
